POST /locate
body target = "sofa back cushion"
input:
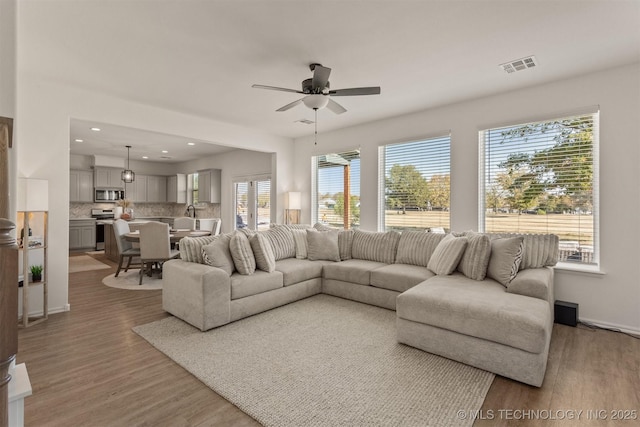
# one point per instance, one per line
(191, 248)
(416, 247)
(540, 250)
(375, 246)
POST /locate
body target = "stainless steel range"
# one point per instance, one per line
(104, 218)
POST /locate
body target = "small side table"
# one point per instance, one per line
(19, 388)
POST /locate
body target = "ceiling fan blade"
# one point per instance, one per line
(290, 105)
(281, 89)
(354, 91)
(335, 107)
(320, 78)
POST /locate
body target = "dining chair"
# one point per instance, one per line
(125, 247)
(210, 224)
(184, 223)
(155, 246)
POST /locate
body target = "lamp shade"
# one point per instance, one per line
(33, 194)
(294, 200)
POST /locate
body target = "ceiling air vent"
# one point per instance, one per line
(166, 157)
(519, 64)
(305, 121)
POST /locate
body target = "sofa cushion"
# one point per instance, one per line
(242, 254)
(482, 309)
(533, 282)
(263, 253)
(257, 283)
(506, 255)
(447, 254)
(345, 242)
(300, 239)
(323, 245)
(217, 254)
(416, 247)
(475, 260)
(281, 240)
(298, 270)
(353, 270)
(191, 248)
(540, 250)
(375, 246)
(399, 277)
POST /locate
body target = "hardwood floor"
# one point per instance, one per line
(87, 368)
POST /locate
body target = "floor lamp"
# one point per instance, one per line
(294, 204)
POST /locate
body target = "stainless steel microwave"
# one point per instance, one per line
(108, 195)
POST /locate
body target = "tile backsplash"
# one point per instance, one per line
(146, 210)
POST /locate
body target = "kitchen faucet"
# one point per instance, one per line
(189, 211)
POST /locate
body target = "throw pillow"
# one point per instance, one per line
(242, 254)
(475, 259)
(281, 240)
(191, 248)
(265, 260)
(321, 227)
(506, 255)
(217, 254)
(323, 245)
(447, 255)
(416, 247)
(300, 239)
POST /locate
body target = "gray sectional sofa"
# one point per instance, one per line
(484, 300)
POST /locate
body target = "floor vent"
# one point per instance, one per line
(519, 64)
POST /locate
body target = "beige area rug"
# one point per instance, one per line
(130, 280)
(85, 263)
(323, 361)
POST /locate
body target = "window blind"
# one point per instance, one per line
(336, 175)
(541, 177)
(415, 184)
(263, 204)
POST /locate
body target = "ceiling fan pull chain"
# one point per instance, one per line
(315, 136)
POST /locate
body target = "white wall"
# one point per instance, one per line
(610, 299)
(8, 82)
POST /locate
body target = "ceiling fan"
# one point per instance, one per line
(318, 93)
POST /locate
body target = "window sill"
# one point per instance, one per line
(576, 268)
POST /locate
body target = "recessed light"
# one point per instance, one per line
(165, 151)
(79, 140)
(191, 143)
(145, 157)
(96, 129)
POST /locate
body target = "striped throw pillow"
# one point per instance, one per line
(475, 259)
(447, 255)
(191, 248)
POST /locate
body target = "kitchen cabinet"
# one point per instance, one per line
(177, 188)
(108, 178)
(147, 189)
(209, 188)
(80, 186)
(156, 189)
(82, 234)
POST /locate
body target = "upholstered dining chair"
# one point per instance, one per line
(155, 246)
(210, 224)
(125, 247)
(184, 223)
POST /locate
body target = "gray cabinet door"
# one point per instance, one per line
(80, 186)
(74, 238)
(156, 189)
(74, 186)
(108, 178)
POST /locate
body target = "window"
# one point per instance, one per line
(253, 203)
(542, 178)
(415, 185)
(336, 178)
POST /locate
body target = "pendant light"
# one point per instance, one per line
(127, 175)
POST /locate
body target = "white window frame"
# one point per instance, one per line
(595, 267)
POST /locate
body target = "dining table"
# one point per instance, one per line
(174, 235)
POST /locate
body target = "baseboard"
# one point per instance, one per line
(606, 325)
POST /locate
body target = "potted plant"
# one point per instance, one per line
(36, 273)
(126, 205)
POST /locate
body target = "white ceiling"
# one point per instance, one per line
(201, 57)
